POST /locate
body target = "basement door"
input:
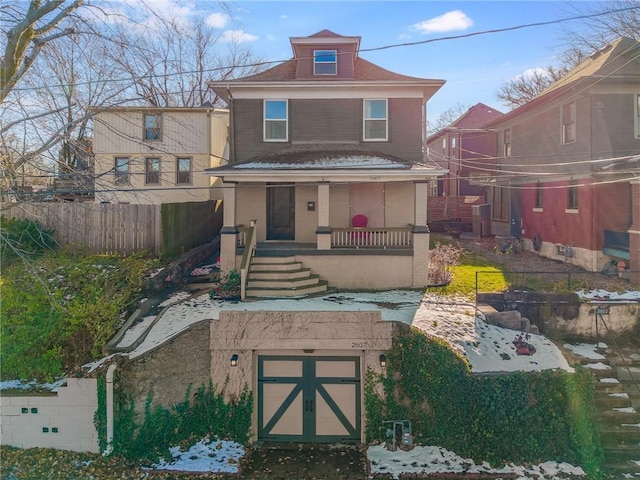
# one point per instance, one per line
(309, 399)
(280, 212)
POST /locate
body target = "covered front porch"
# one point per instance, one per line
(355, 227)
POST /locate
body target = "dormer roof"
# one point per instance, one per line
(325, 38)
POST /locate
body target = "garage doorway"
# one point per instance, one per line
(309, 399)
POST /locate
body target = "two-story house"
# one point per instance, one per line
(468, 152)
(147, 155)
(569, 168)
(326, 168)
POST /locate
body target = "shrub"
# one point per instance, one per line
(22, 238)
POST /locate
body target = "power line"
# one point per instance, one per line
(372, 49)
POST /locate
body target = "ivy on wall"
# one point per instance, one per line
(520, 417)
(205, 413)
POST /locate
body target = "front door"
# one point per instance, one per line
(309, 399)
(280, 212)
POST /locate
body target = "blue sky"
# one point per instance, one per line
(474, 68)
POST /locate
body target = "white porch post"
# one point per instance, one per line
(420, 236)
(229, 232)
(323, 231)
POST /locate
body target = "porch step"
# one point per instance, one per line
(281, 277)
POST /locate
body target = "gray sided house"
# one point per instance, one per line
(568, 179)
(326, 173)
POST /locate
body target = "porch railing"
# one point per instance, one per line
(241, 238)
(371, 237)
(247, 255)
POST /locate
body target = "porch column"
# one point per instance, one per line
(634, 234)
(420, 236)
(229, 232)
(323, 232)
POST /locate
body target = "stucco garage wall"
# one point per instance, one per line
(63, 421)
(354, 271)
(167, 372)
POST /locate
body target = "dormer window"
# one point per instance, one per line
(325, 62)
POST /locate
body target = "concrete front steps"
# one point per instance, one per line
(281, 277)
(618, 411)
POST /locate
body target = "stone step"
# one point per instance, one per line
(626, 415)
(287, 292)
(608, 385)
(294, 283)
(628, 374)
(619, 435)
(620, 470)
(605, 401)
(271, 260)
(279, 274)
(600, 369)
(281, 267)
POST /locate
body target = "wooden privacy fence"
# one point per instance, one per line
(124, 229)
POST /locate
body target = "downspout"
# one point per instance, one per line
(110, 374)
(232, 136)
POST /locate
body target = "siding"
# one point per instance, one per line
(613, 126)
(399, 204)
(330, 124)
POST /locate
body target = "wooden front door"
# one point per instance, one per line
(280, 212)
(309, 399)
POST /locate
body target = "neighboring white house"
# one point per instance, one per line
(150, 155)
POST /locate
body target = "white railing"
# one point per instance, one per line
(241, 237)
(371, 237)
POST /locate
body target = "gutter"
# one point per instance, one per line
(110, 374)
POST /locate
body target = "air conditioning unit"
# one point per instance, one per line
(565, 250)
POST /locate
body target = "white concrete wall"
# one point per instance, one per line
(63, 421)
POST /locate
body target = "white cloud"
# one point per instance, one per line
(238, 36)
(532, 73)
(454, 20)
(217, 20)
(404, 36)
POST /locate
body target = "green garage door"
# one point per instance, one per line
(309, 399)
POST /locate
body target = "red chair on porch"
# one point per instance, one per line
(359, 221)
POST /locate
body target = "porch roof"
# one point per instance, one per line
(326, 167)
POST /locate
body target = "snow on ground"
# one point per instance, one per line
(439, 460)
(220, 456)
(606, 296)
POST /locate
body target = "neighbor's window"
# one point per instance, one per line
(572, 197)
(275, 121)
(152, 126)
(325, 62)
(569, 123)
(539, 195)
(500, 204)
(152, 171)
(637, 115)
(375, 120)
(183, 170)
(121, 170)
(506, 141)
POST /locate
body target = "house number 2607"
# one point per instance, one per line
(359, 345)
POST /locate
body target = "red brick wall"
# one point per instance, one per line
(634, 236)
(449, 208)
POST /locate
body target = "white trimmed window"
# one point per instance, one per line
(325, 62)
(539, 196)
(569, 123)
(375, 120)
(183, 171)
(572, 197)
(276, 123)
(506, 142)
(152, 127)
(121, 171)
(152, 171)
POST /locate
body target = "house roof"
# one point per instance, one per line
(327, 166)
(614, 63)
(471, 120)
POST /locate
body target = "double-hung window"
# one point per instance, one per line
(152, 127)
(539, 196)
(276, 123)
(569, 123)
(506, 142)
(183, 170)
(375, 120)
(121, 171)
(325, 62)
(572, 197)
(152, 171)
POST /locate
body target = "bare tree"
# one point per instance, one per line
(446, 118)
(26, 33)
(604, 22)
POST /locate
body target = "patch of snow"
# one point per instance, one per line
(637, 425)
(619, 395)
(90, 367)
(20, 385)
(217, 456)
(625, 410)
(133, 333)
(604, 295)
(586, 350)
(345, 161)
(429, 459)
(598, 366)
(155, 272)
(609, 380)
(175, 298)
